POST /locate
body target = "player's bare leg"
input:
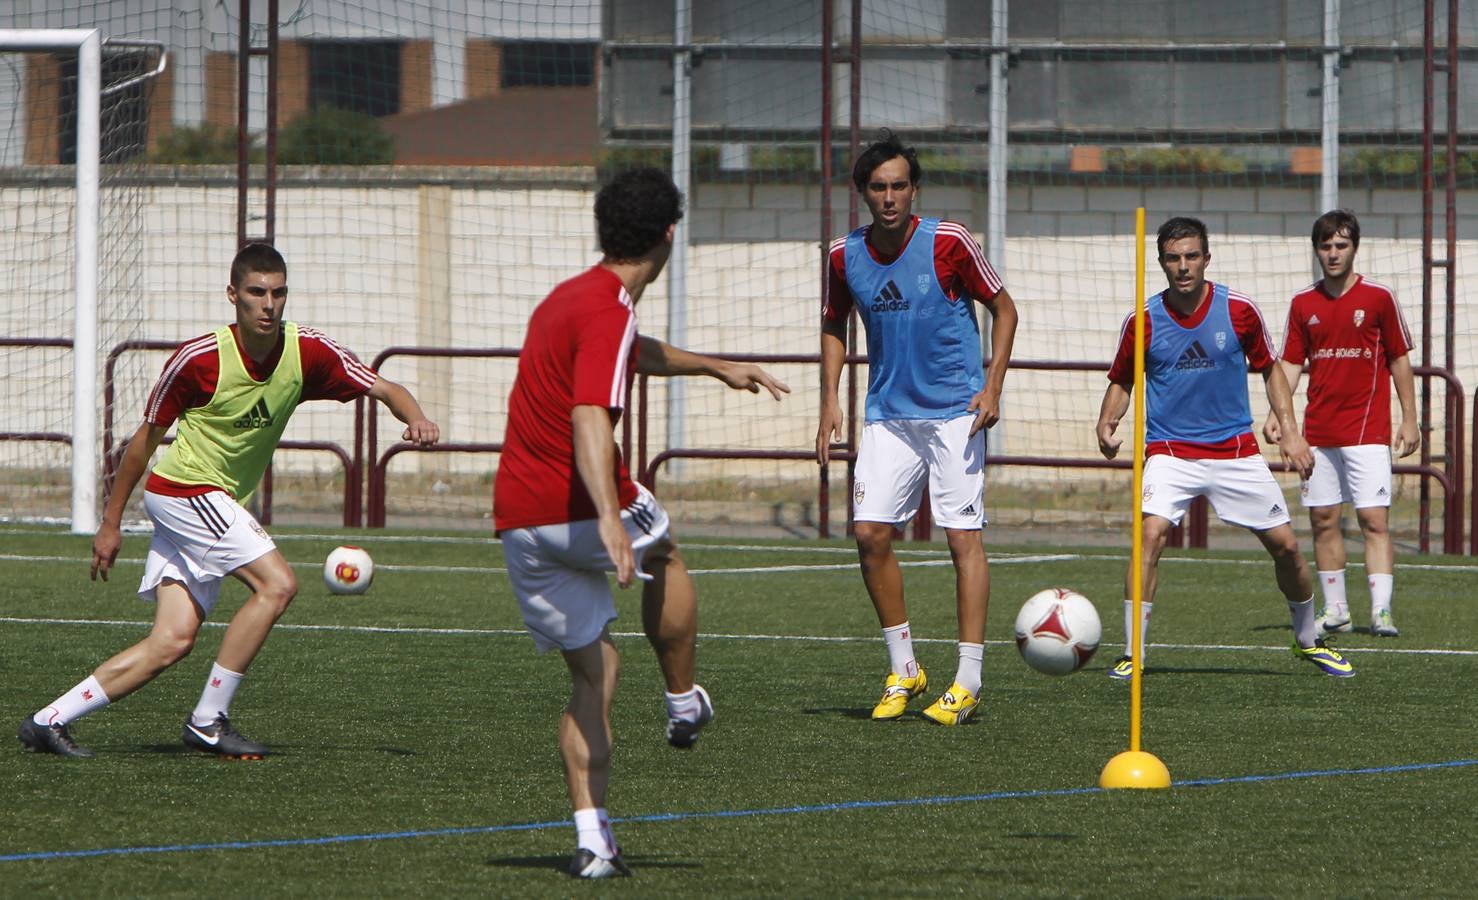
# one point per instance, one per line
(177, 621)
(585, 745)
(208, 727)
(1155, 534)
(880, 572)
(273, 586)
(1329, 562)
(884, 582)
(670, 619)
(972, 582)
(670, 614)
(1380, 567)
(961, 699)
(1297, 585)
(585, 726)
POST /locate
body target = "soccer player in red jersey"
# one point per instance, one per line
(1350, 332)
(1200, 341)
(914, 282)
(232, 393)
(568, 511)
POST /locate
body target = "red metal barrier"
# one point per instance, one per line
(380, 463)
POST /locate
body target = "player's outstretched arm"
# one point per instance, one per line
(418, 429)
(1294, 449)
(833, 356)
(1110, 413)
(655, 357)
(987, 404)
(1407, 439)
(109, 539)
(595, 461)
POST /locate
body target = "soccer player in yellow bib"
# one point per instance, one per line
(232, 392)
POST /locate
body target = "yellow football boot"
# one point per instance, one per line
(954, 707)
(897, 691)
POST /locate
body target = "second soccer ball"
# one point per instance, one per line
(348, 570)
(1057, 631)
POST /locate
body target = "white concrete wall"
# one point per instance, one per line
(354, 252)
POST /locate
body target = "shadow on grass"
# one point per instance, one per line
(560, 863)
(179, 749)
(1207, 670)
(865, 715)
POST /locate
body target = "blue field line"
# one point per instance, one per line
(844, 806)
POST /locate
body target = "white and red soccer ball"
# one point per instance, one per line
(1057, 631)
(348, 570)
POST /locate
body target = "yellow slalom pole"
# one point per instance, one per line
(1135, 768)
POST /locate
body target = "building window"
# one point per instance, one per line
(548, 64)
(124, 111)
(360, 76)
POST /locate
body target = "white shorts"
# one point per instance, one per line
(198, 541)
(559, 573)
(1361, 475)
(1242, 491)
(897, 455)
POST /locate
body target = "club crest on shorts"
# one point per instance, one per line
(1149, 491)
(858, 490)
(1359, 317)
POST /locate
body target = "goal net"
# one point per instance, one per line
(75, 260)
(437, 165)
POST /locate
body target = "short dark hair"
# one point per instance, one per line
(1332, 223)
(256, 257)
(634, 210)
(886, 147)
(1179, 227)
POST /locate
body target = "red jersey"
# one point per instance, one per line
(189, 381)
(580, 351)
(1349, 342)
(959, 264)
(1251, 333)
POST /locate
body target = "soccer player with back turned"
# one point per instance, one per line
(232, 392)
(914, 282)
(1200, 340)
(1350, 331)
(568, 511)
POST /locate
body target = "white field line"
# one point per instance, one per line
(939, 560)
(707, 636)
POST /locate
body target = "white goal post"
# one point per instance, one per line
(86, 393)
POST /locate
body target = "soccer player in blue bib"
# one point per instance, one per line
(914, 283)
(1200, 341)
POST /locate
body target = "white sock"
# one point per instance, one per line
(968, 674)
(685, 706)
(215, 700)
(593, 830)
(1380, 592)
(1144, 629)
(86, 697)
(1333, 585)
(900, 651)
(1303, 622)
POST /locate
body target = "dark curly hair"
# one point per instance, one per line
(1181, 227)
(886, 147)
(256, 257)
(1332, 223)
(633, 211)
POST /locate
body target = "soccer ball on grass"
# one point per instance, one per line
(348, 570)
(1057, 631)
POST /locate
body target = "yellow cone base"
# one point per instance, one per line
(1134, 769)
